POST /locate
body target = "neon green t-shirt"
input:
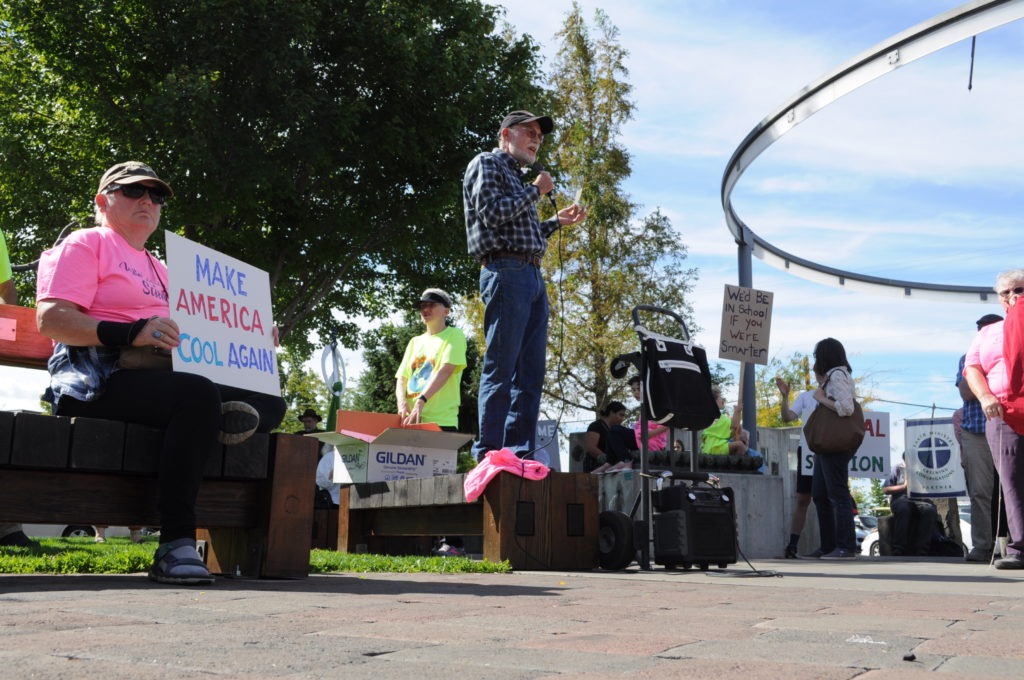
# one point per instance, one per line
(5, 261)
(714, 439)
(424, 356)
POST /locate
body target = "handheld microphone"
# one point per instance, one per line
(538, 167)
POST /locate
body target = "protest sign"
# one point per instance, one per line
(746, 324)
(546, 448)
(222, 307)
(872, 458)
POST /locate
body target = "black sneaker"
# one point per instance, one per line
(238, 421)
(20, 540)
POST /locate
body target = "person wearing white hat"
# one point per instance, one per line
(428, 379)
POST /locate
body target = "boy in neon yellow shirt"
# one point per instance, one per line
(427, 381)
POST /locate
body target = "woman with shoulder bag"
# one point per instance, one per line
(830, 487)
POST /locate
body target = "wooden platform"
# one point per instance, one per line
(547, 524)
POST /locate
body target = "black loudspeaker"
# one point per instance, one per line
(694, 526)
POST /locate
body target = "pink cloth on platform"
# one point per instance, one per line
(494, 462)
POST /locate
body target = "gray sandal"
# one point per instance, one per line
(178, 563)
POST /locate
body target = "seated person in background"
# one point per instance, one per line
(328, 491)
(725, 436)
(914, 520)
(99, 294)
(10, 534)
(682, 459)
(657, 434)
(101, 533)
(602, 448)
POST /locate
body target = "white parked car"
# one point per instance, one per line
(67, 530)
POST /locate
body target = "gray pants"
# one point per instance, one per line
(980, 471)
(1008, 453)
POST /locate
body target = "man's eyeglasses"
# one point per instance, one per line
(136, 191)
(1019, 290)
(535, 135)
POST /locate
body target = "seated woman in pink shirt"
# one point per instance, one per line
(101, 296)
(657, 435)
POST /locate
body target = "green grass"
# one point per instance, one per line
(121, 556)
(79, 556)
(329, 562)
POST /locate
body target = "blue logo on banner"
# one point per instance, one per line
(934, 452)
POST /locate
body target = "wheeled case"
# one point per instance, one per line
(694, 526)
(676, 387)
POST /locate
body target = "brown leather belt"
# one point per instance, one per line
(532, 258)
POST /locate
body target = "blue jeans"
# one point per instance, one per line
(516, 332)
(830, 490)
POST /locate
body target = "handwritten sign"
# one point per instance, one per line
(222, 306)
(746, 324)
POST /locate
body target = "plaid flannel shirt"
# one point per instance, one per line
(974, 417)
(501, 211)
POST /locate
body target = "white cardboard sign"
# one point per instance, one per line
(223, 308)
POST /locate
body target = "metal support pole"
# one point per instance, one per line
(745, 266)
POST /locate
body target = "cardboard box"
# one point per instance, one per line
(376, 447)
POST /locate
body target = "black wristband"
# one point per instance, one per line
(119, 333)
(423, 398)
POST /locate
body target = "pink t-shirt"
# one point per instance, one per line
(655, 442)
(986, 352)
(98, 270)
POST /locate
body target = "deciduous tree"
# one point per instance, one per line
(323, 141)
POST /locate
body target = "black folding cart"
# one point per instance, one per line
(690, 523)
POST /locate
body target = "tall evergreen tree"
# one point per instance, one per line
(601, 269)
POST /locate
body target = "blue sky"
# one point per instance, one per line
(910, 177)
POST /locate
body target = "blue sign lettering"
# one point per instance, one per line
(228, 278)
(197, 351)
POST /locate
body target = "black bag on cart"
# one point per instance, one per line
(677, 384)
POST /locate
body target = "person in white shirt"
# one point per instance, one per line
(803, 406)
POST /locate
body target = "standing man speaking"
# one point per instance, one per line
(504, 232)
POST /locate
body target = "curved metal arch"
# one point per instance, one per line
(927, 37)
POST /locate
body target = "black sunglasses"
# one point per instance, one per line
(134, 191)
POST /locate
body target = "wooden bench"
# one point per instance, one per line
(546, 524)
(255, 504)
